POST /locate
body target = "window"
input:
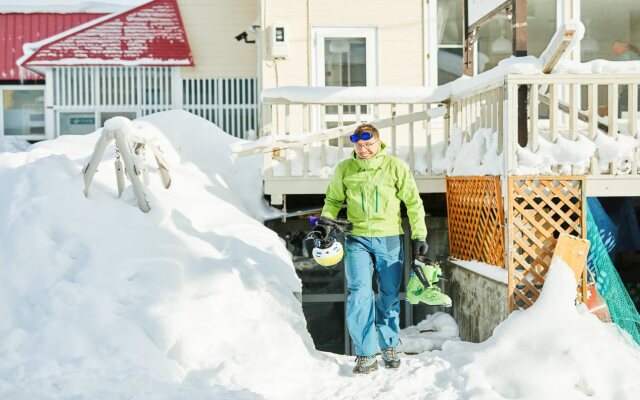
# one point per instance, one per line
(23, 111)
(450, 40)
(495, 38)
(345, 62)
(345, 57)
(602, 29)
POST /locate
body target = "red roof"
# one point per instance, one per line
(150, 34)
(17, 29)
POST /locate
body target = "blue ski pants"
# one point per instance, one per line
(373, 323)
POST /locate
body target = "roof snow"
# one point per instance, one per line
(151, 34)
(67, 6)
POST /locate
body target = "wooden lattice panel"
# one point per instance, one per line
(476, 219)
(540, 208)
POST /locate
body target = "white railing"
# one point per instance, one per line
(319, 133)
(595, 107)
(230, 103)
(576, 124)
(563, 111)
(114, 88)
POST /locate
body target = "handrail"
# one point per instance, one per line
(334, 133)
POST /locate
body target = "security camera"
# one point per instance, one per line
(243, 36)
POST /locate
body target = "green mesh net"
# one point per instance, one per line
(621, 307)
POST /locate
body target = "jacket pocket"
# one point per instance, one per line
(387, 204)
(356, 203)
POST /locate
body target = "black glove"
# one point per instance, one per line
(420, 247)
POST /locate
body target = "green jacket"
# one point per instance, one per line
(373, 190)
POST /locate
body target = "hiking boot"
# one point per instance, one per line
(390, 358)
(365, 364)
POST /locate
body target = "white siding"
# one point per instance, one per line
(211, 27)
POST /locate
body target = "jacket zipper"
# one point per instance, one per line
(362, 199)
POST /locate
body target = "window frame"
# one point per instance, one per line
(35, 136)
(369, 34)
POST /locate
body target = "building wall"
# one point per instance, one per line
(211, 26)
(479, 303)
(399, 36)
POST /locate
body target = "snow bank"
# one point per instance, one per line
(13, 144)
(553, 350)
(99, 300)
(429, 334)
(194, 299)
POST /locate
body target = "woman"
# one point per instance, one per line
(373, 184)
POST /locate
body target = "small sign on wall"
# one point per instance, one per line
(82, 121)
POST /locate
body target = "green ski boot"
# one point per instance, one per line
(421, 286)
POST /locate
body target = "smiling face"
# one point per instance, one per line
(366, 149)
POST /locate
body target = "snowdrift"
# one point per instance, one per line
(99, 300)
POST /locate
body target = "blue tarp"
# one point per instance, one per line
(617, 223)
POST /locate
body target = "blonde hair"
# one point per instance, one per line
(366, 127)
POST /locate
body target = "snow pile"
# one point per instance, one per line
(402, 94)
(564, 153)
(567, 157)
(621, 149)
(494, 272)
(478, 156)
(553, 350)
(429, 334)
(238, 181)
(100, 300)
(13, 144)
(597, 67)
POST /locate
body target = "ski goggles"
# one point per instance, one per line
(360, 136)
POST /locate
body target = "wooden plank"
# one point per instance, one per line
(573, 251)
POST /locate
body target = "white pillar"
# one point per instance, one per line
(176, 88)
(49, 112)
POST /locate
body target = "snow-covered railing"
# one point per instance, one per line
(579, 124)
(305, 131)
(568, 117)
(571, 128)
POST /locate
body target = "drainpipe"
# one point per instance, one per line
(309, 47)
(259, 46)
